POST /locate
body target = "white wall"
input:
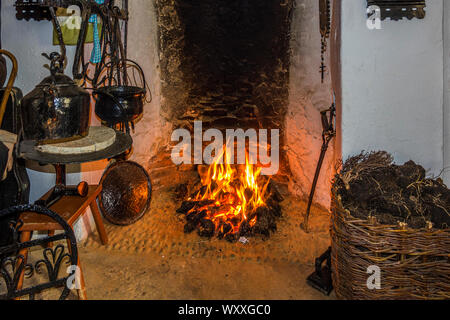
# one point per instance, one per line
(447, 92)
(392, 86)
(142, 48)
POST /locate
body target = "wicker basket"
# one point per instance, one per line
(414, 264)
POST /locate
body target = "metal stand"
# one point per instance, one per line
(321, 278)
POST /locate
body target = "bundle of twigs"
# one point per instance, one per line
(371, 185)
(390, 219)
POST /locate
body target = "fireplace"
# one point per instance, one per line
(233, 65)
(225, 64)
(231, 202)
(244, 65)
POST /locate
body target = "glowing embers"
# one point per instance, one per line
(234, 201)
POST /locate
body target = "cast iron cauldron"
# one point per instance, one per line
(122, 102)
(56, 110)
(115, 104)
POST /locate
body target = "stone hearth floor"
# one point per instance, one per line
(117, 275)
(154, 259)
(161, 231)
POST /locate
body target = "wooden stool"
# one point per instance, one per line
(70, 208)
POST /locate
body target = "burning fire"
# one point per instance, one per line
(231, 194)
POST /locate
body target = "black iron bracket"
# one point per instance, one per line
(321, 279)
(399, 9)
(39, 9)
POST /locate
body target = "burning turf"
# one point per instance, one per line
(233, 202)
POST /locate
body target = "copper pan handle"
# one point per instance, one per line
(10, 85)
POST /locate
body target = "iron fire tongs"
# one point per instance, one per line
(329, 132)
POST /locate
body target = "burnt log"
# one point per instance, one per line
(204, 203)
(244, 229)
(186, 206)
(224, 229)
(206, 228)
(181, 191)
(275, 193)
(189, 227)
(195, 216)
(265, 222)
(231, 237)
(235, 221)
(248, 193)
(274, 207)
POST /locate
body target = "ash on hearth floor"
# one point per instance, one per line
(162, 232)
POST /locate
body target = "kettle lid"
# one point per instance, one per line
(57, 79)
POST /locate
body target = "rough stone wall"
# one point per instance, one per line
(170, 45)
(308, 96)
(224, 62)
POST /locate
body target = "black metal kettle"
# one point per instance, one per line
(57, 109)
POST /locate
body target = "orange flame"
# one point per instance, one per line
(235, 191)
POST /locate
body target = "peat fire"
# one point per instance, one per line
(233, 201)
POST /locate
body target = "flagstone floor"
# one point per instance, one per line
(118, 275)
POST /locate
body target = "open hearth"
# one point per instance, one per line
(250, 65)
(240, 66)
(162, 232)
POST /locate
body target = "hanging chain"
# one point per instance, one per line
(325, 29)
